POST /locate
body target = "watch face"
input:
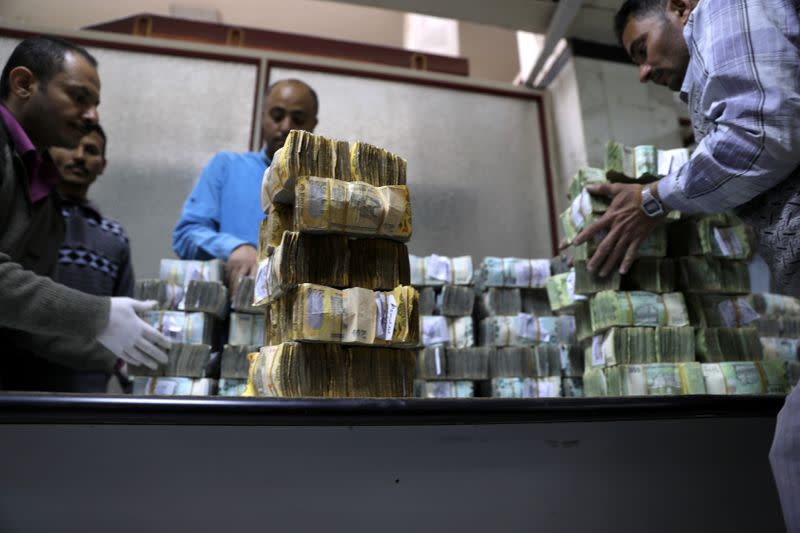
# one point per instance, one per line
(651, 207)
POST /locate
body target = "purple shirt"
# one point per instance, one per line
(42, 171)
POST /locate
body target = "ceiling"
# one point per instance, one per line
(594, 21)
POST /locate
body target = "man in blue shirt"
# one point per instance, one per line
(220, 218)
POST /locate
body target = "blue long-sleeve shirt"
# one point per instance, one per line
(223, 211)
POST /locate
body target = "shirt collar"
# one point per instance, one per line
(42, 171)
(22, 143)
(87, 207)
(265, 156)
(687, 78)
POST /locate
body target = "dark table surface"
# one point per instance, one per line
(41, 408)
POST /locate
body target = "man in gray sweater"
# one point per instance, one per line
(49, 93)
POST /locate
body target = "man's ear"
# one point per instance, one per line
(680, 9)
(103, 168)
(22, 83)
(313, 125)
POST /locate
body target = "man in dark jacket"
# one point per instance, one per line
(49, 91)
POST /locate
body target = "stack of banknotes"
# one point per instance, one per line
(448, 331)
(436, 270)
(315, 313)
(323, 370)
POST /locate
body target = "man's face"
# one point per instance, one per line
(655, 43)
(81, 165)
(61, 112)
(289, 106)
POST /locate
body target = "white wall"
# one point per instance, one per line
(614, 104)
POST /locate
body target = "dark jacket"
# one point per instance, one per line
(38, 317)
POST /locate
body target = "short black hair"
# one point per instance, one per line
(98, 129)
(301, 82)
(44, 56)
(637, 9)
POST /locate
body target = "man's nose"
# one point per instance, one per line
(286, 124)
(91, 115)
(644, 73)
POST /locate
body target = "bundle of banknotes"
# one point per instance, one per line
(315, 313)
(173, 386)
(455, 300)
(514, 387)
(641, 164)
(585, 176)
(541, 360)
(745, 377)
(242, 301)
(644, 380)
(585, 209)
(378, 264)
(572, 387)
(654, 245)
(444, 389)
(180, 272)
(303, 258)
(778, 348)
(588, 283)
(440, 362)
(720, 310)
(207, 297)
(435, 270)
(706, 274)
(168, 295)
(513, 272)
(769, 305)
(246, 329)
(448, 331)
(427, 301)
(231, 387)
(655, 379)
(280, 218)
(716, 345)
(235, 363)
(650, 274)
(334, 261)
(637, 308)
(561, 292)
(525, 330)
(182, 327)
(330, 371)
(306, 154)
(641, 345)
(788, 327)
(184, 360)
(501, 301)
(357, 209)
(721, 235)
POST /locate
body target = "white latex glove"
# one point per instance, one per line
(129, 337)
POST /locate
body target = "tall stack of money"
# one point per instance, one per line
(641, 336)
(245, 336)
(333, 279)
(532, 350)
(192, 305)
(448, 363)
(633, 329)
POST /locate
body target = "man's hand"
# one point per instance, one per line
(243, 261)
(130, 338)
(626, 224)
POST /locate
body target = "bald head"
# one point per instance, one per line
(289, 105)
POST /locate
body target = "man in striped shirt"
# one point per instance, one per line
(737, 66)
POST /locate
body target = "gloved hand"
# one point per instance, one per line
(129, 337)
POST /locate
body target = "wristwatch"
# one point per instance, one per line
(651, 205)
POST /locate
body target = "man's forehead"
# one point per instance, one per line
(76, 69)
(636, 28)
(288, 93)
